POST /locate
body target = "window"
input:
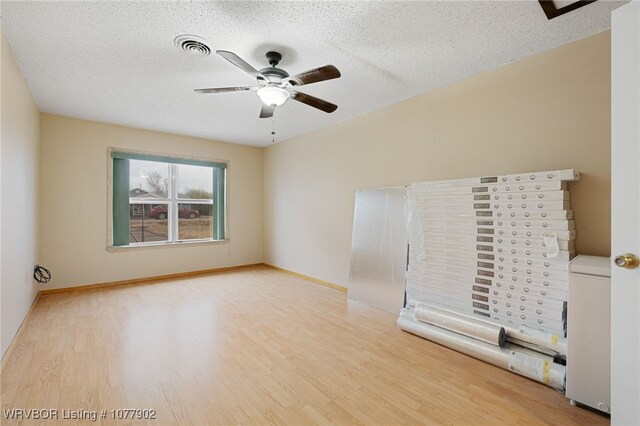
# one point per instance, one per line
(164, 200)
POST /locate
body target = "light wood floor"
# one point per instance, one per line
(256, 346)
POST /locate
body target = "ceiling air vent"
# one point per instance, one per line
(192, 44)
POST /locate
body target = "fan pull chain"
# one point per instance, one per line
(273, 129)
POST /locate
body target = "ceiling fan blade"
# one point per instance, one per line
(266, 111)
(225, 89)
(240, 63)
(328, 72)
(314, 102)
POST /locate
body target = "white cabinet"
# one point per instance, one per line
(588, 332)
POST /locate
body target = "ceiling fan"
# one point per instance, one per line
(276, 86)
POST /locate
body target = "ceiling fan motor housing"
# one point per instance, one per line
(275, 75)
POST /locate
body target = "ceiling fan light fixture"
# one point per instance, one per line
(272, 95)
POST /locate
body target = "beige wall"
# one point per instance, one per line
(19, 184)
(551, 111)
(74, 204)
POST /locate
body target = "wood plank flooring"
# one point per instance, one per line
(255, 346)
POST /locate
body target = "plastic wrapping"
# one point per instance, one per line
(535, 348)
(551, 244)
(539, 368)
(552, 341)
(467, 345)
(379, 248)
(500, 265)
(523, 335)
(447, 269)
(518, 360)
(462, 324)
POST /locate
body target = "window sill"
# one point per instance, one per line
(153, 246)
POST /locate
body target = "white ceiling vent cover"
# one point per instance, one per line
(192, 44)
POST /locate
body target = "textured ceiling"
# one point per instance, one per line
(116, 62)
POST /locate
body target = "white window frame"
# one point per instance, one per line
(173, 222)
